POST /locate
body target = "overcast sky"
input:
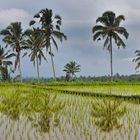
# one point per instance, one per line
(79, 17)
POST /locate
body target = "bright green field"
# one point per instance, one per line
(65, 112)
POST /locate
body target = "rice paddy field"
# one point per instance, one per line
(69, 111)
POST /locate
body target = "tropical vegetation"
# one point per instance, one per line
(13, 36)
(5, 63)
(71, 69)
(109, 29)
(137, 59)
(35, 44)
(50, 26)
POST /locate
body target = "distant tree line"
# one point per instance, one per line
(106, 78)
(116, 78)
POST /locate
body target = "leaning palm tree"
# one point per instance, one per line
(137, 59)
(35, 43)
(13, 37)
(5, 62)
(71, 68)
(50, 25)
(109, 29)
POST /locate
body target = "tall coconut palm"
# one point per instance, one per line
(13, 37)
(5, 62)
(71, 68)
(137, 59)
(35, 43)
(50, 25)
(109, 29)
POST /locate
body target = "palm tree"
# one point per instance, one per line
(71, 68)
(13, 36)
(5, 62)
(137, 59)
(35, 43)
(50, 25)
(109, 29)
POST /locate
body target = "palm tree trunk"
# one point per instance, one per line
(20, 72)
(111, 66)
(37, 67)
(53, 68)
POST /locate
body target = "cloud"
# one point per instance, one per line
(11, 15)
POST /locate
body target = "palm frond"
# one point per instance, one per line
(59, 22)
(118, 40)
(123, 31)
(37, 15)
(98, 28)
(32, 22)
(57, 27)
(5, 32)
(10, 55)
(54, 42)
(98, 35)
(107, 42)
(58, 17)
(102, 20)
(118, 20)
(6, 63)
(59, 35)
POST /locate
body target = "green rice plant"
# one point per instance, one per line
(36, 133)
(106, 114)
(11, 105)
(1, 123)
(18, 125)
(13, 137)
(49, 111)
(129, 136)
(43, 136)
(136, 134)
(20, 136)
(6, 136)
